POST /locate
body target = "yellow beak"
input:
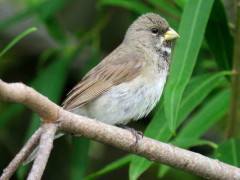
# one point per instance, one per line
(170, 35)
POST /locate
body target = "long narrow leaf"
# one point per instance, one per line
(111, 167)
(181, 3)
(219, 37)
(79, 160)
(192, 28)
(198, 88)
(16, 39)
(219, 106)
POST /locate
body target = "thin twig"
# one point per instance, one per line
(234, 117)
(22, 155)
(120, 138)
(45, 147)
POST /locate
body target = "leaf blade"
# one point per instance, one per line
(110, 167)
(17, 39)
(192, 27)
(219, 37)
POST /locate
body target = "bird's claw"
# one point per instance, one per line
(138, 134)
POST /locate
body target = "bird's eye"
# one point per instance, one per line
(154, 30)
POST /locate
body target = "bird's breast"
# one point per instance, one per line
(127, 101)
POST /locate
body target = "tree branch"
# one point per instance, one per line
(45, 147)
(22, 155)
(151, 149)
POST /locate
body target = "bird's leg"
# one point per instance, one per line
(138, 134)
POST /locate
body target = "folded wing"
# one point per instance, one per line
(104, 76)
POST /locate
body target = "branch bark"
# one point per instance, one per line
(45, 147)
(22, 155)
(151, 149)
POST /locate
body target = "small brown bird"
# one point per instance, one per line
(128, 83)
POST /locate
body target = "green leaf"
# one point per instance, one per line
(95, 56)
(190, 142)
(219, 37)
(228, 152)
(80, 159)
(110, 167)
(11, 111)
(135, 6)
(163, 169)
(209, 114)
(55, 30)
(181, 3)
(192, 28)
(197, 89)
(17, 39)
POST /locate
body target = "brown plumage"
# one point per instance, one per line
(101, 78)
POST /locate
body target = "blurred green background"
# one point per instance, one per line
(72, 36)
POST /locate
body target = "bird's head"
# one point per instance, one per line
(150, 31)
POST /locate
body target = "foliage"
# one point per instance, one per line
(191, 114)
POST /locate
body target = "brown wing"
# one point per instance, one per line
(101, 78)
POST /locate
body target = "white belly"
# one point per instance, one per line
(125, 102)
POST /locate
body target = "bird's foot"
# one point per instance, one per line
(138, 134)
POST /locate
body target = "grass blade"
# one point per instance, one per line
(17, 39)
(192, 28)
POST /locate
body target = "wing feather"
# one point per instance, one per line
(104, 76)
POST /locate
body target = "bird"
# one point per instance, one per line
(127, 84)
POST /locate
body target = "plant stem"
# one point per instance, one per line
(234, 117)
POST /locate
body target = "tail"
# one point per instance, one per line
(33, 155)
